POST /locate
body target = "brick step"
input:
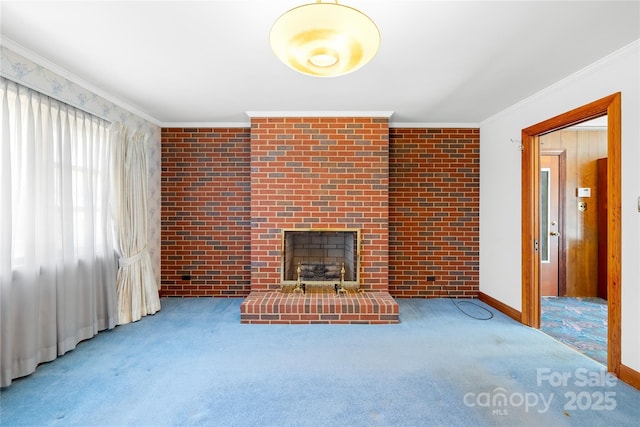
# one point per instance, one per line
(357, 308)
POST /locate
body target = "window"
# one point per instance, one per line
(58, 160)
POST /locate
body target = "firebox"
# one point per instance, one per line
(320, 258)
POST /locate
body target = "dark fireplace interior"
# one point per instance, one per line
(320, 257)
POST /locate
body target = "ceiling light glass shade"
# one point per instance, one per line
(324, 39)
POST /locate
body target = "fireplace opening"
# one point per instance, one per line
(320, 259)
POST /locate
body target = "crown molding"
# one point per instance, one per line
(635, 45)
(392, 125)
(385, 114)
(64, 73)
(434, 125)
(205, 124)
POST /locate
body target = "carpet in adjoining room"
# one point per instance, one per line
(578, 322)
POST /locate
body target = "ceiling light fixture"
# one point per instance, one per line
(324, 39)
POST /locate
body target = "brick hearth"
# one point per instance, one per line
(277, 307)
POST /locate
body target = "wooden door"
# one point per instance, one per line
(602, 228)
(550, 225)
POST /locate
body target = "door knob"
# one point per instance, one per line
(554, 233)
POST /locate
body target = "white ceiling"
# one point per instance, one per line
(209, 62)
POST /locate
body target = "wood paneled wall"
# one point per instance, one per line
(583, 148)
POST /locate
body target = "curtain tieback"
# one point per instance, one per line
(127, 261)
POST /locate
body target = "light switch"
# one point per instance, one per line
(583, 192)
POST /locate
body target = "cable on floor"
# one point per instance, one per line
(457, 304)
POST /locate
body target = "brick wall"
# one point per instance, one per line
(319, 173)
(205, 212)
(433, 194)
(434, 200)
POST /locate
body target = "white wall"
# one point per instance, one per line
(500, 180)
(34, 74)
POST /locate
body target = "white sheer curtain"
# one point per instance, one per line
(137, 288)
(57, 262)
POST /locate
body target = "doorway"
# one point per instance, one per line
(531, 213)
(570, 309)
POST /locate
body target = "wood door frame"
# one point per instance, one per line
(611, 107)
(562, 188)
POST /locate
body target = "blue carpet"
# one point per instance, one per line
(194, 364)
(578, 322)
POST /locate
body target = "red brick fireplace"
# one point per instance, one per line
(319, 173)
